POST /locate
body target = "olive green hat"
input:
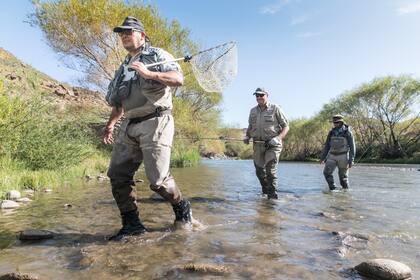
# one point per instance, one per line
(337, 118)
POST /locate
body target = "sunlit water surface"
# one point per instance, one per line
(243, 232)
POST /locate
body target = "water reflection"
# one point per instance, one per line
(306, 234)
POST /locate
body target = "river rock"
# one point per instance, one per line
(18, 276)
(156, 197)
(35, 234)
(384, 269)
(23, 200)
(206, 268)
(13, 195)
(89, 177)
(101, 178)
(29, 192)
(8, 204)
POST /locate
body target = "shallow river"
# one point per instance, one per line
(306, 234)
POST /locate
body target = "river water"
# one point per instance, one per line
(307, 234)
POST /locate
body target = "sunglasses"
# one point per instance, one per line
(126, 32)
(259, 94)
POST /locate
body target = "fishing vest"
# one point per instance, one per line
(139, 96)
(338, 141)
(266, 124)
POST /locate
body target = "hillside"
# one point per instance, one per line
(18, 78)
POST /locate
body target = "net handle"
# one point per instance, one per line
(187, 58)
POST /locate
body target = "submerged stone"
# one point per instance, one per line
(156, 197)
(18, 276)
(384, 269)
(8, 204)
(24, 200)
(36, 234)
(206, 268)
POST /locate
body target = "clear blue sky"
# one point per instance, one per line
(303, 52)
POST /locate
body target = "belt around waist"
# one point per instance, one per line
(338, 153)
(158, 113)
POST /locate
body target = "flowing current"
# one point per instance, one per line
(307, 234)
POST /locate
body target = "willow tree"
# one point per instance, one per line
(385, 114)
(80, 31)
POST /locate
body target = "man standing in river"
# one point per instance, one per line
(144, 97)
(339, 151)
(267, 126)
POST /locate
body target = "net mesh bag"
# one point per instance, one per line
(215, 68)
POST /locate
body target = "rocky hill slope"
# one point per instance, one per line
(20, 79)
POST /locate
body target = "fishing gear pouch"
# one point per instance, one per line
(119, 88)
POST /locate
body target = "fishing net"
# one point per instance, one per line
(215, 68)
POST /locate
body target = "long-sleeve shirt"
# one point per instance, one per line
(343, 131)
(266, 124)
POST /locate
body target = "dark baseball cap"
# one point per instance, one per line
(130, 23)
(260, 91)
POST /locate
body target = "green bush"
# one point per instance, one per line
(54, 145)
(184, 156)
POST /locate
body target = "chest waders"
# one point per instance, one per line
(337, 157)
(145, 136)
(264, 125)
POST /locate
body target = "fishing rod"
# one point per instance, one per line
(220, 138)
(371, 145)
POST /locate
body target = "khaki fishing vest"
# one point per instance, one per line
(338, 145)
(266, 124)
(145, 96)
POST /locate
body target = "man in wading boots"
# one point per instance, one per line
(340, 151)
(144, 97)
(267, 127)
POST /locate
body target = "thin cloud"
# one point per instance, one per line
(298, 20)
(409, 8)
(274, 8)
(308, 35)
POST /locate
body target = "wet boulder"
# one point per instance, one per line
(8, 204)
(384, 269)
(18, 276)
(206, 268)
(350, 242)
(35, 234)
(156, 197)
(13, 195)
(23, 200)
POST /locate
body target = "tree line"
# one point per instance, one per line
(383, 113)
(384, 117)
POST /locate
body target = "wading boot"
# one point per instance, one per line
(272, 195)
(264, 189)
(331, 187)
(183, 212)
(131, 225)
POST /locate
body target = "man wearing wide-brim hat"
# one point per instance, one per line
(339, 151)
(143, 95)
(267, 127)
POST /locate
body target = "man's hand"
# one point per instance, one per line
(322, 161)
(107, 137)
(350, 164)
(141, 69)
(274, 141)
(246, 140)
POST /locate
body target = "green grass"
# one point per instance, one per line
(184, 156)
(14, 175)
